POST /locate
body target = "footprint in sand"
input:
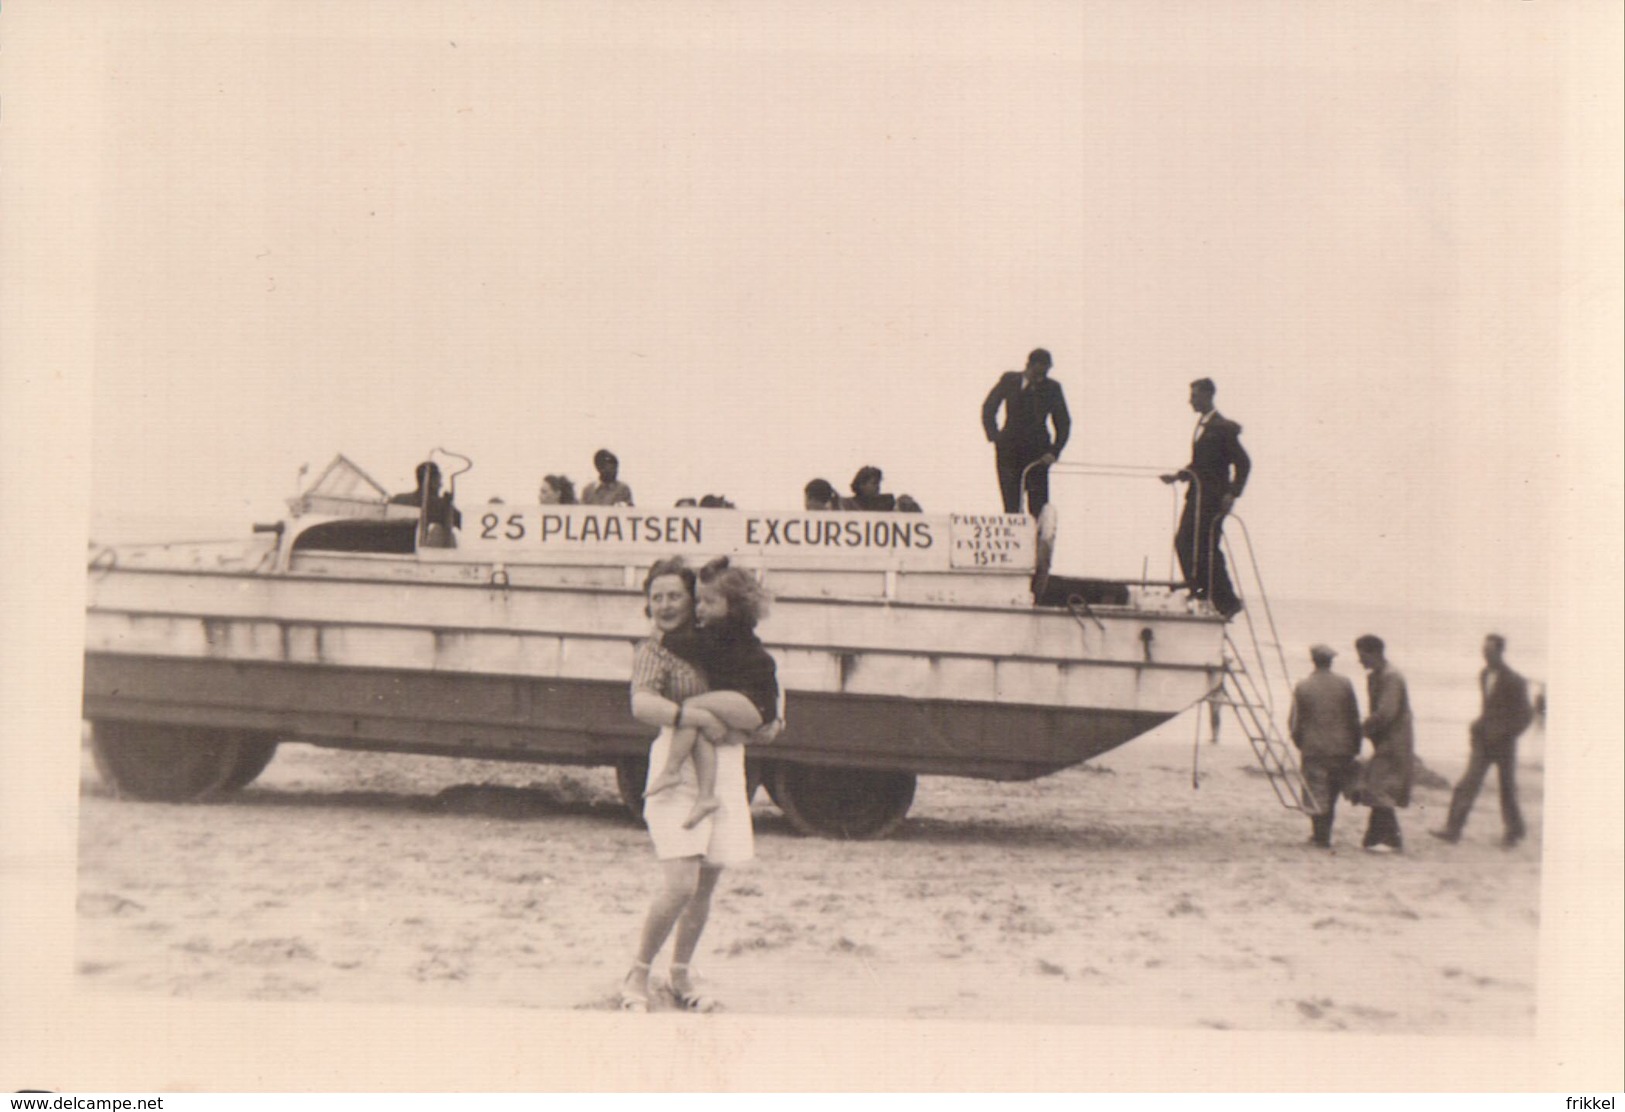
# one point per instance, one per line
(101, 905)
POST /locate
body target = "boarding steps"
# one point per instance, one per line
(1254, 670)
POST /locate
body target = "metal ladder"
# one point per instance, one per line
(1247, 688)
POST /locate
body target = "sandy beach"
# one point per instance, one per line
(1111, 893)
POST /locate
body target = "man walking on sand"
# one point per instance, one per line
(1387, 783)
(1493, 737)
(1032, 402)
(1217, 474)
(1325, 726)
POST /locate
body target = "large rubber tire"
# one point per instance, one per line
(631, 773)
(165, 763)
(841, 802)
(253, 754)
(757, 774)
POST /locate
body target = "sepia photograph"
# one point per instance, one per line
(626, 547)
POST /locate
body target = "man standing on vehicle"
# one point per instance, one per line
(1217, 473)
(1506, 713)
(1032, 402)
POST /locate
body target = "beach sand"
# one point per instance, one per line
(1111, 893)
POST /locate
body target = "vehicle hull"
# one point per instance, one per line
(371, 653)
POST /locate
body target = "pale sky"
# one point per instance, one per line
(746, 245)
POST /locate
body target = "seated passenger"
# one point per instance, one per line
(866, 493)
(907, 505)
(439, 517)
(820, 495)
(607, 490)
(715, 502)
(557, 491)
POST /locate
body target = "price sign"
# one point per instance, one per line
(993, 542)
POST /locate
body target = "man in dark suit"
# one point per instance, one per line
(1032, 402)
(1506, 713)
(1217, 473)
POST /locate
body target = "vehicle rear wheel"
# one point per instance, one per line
(757, 773)
(165, 763)
(631, 773)
(841, 802)
(253, 754)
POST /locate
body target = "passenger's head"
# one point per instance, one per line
(866, 483)
(1370, 649)
(683, 503)
(1322, 655)
(819, 495)
(715, 502)
(668, 594)
(1495, 646)
(1038, 364)
(1202, 392)
(607, 466)
(907, 505)
(727, 593)
(428, 476)
(557, 491)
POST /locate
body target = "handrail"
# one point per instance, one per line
(1269, 613)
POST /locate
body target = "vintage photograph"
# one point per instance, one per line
(1013, 515)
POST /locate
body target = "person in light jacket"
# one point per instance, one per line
(1386, 785)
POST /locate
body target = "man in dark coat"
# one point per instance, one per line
(1506, 713)
(1032, 402)
(1387, 782)
(1217, 474)
(1325, 726)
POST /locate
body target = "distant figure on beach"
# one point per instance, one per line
(439, 517)
(819, 494)
(1386, 783)
(607, 489)
(1032, 403)
(1493, 740)
(556, 490)
(866, 493)
(1217, 474)
(1325, 726)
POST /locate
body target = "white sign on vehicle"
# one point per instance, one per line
(907, 542)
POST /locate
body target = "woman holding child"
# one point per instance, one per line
(696, 803)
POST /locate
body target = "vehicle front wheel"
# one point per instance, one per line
(166, 763)
(841, 802)
(253, 754)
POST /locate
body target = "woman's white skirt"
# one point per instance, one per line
(725, 837)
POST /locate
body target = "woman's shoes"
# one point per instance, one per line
(632, 998)
(689, 998)
(694, 1001)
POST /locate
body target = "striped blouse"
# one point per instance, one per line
(656, 668)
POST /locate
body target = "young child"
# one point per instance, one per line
(744, 680)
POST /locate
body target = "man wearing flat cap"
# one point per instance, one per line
(608, 490)
(1217, 473)
(1032, 403)
(1325, 726)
